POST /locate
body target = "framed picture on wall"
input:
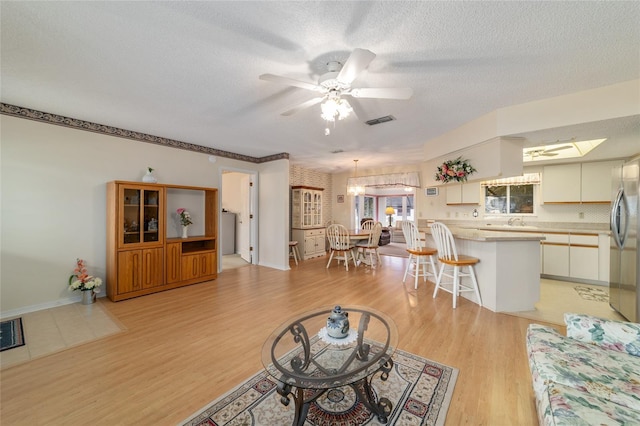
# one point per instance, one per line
(341, 198)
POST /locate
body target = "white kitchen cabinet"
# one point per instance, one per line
(596, 181)
(604, 257)
(578, 183)
(306, 207)
(583, 257)
(561, 184)
(310, 241)
(463, 193)
(555, 250)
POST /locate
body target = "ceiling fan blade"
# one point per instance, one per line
(290, 82)
(548, 154)
(358, 61)
(560, 148)
(357, 109)
(302, 106)
(390, 93)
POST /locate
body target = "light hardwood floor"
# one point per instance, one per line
(184, 347)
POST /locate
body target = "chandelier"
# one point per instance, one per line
(355, 189)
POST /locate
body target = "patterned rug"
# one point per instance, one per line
(419, 389)
(595, 294)
(11, 334)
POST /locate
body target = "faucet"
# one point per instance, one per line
(513, 220)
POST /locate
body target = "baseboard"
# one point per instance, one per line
(47, 305)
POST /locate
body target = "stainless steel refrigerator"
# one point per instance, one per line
(228, 233)
(624, 279)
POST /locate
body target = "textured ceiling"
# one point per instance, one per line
(189, 70)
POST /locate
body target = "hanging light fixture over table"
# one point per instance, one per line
(353, 188)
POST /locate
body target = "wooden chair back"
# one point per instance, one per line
(338, 237)
(445, 243)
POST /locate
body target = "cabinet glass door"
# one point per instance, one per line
(131, 215)
(317, 209)
(140, 216)
(307, 209)
(151, 215)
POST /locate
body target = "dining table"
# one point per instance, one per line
(359, 234)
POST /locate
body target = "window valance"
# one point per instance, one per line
(408, 179)
(525, 179)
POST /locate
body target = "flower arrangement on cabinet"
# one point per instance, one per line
(82, 281)
(454, 170)
(184, 216)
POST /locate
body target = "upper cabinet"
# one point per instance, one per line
(578, 183)
(596, 181)
(463, 193)
(561, 184)
(306, 207)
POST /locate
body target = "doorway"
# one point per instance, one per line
(237, 224)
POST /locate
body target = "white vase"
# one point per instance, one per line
(185, 231)
(149, 178)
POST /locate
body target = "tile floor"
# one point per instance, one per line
(558, 297)
(55, 329)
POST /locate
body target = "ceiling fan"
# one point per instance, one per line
(542, 152)
(335, 83)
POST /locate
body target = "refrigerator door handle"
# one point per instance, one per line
(620, 202)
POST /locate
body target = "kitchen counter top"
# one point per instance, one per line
(535, 227)
(491, 235)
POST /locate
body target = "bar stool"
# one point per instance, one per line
(293, 251)
(419, 256)
(448, 256)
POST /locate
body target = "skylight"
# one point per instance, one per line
(570, 149)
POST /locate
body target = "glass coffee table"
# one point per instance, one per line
(306, 362)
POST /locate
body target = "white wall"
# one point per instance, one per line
(53, 203)
(273, 214)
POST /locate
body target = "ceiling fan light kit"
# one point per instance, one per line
(337, 83)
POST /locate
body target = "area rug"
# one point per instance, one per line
(419, 389)
(11, 334)
(595, 294)
(394, 249)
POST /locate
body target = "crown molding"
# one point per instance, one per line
(59, 120)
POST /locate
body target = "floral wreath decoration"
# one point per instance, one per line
(454, 170)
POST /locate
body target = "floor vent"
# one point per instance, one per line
(380, 120)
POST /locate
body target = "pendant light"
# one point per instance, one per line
(353, 188)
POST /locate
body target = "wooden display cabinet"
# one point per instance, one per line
(140, 258)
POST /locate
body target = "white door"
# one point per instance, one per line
(244, 225)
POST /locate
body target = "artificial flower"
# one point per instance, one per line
(185, 217)
(82, 281)
(456, 170)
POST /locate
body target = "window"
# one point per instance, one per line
(509, 199)
(403, 206)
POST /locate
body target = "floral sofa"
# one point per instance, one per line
(591, 376)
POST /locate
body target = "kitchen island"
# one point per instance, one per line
(509, 269)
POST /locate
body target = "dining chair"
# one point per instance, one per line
(342, 247)
(371, 245)
(448, 257)
(367, 224)
(420, 257)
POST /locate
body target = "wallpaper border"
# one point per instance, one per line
(59, 120)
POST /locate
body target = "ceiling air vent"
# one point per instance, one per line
(380, 120)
